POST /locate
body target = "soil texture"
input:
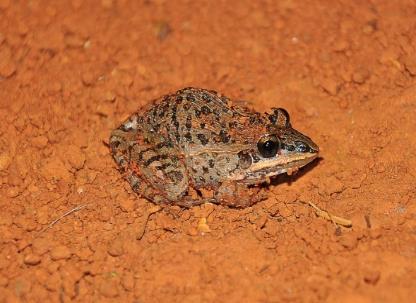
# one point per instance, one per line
(71, 71)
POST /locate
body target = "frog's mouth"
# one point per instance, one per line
(286, 163)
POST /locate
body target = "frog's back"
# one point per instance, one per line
(190, 116)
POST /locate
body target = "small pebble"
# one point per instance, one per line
(40, 141)
(340, 45)
(372, 277)
(163, 30)
(203, 226)
(23, 244)
(5, 160)
(60, 252)
(32, 259)
(7, 69)
(360, 76)
(375, 233)
(40, 246)
(127, 204)
(369, 28)
(330, 86)
(13, 192)
(349, 241)
(105, 109)
(54, 282)
(3, 281)
(75, 157)
(88, 78)
(73, 41)
(410, 64)
(330, 185)
(116, 248)
(128, 281)
(109, 288)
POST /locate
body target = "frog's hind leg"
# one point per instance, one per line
(149, 161)
(162, 172)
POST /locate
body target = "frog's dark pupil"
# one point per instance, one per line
(268, 148)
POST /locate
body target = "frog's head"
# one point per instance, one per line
(278, 149)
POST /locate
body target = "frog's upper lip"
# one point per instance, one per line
(276, 166)
(284, 161)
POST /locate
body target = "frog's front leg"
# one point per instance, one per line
(239, 195)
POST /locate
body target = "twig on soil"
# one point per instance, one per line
(78, 208)
(150, 212)
(328, 216)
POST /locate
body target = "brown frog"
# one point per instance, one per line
(193, 147)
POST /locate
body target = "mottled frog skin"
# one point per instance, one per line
(193, 147)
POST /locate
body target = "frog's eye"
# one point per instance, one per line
(268, 146)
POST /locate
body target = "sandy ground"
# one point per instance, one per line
(70, 71)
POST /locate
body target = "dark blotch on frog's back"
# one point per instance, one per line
(190, 98)
(206, 97)
(197, 113)
(225, 137)
(232, 124)
(175, 176)
(165, 144)
(206, 110)
(178, 99)
(154, 158)
(188, 137)
(202, 138)
(188, 123)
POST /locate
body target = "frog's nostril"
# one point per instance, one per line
(244, 159)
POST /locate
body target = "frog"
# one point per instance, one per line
(198, 146)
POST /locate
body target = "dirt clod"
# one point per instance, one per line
(128, 281)
(109, 288)
(349, 241)
(116, 248)
(60, 252)
(331, 86)
(372, 276)
(32, 259)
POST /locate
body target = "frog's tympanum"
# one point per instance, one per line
(193, 147)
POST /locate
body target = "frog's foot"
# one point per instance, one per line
(188, 202)
(238, 195)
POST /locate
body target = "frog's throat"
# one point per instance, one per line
(276, 166)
